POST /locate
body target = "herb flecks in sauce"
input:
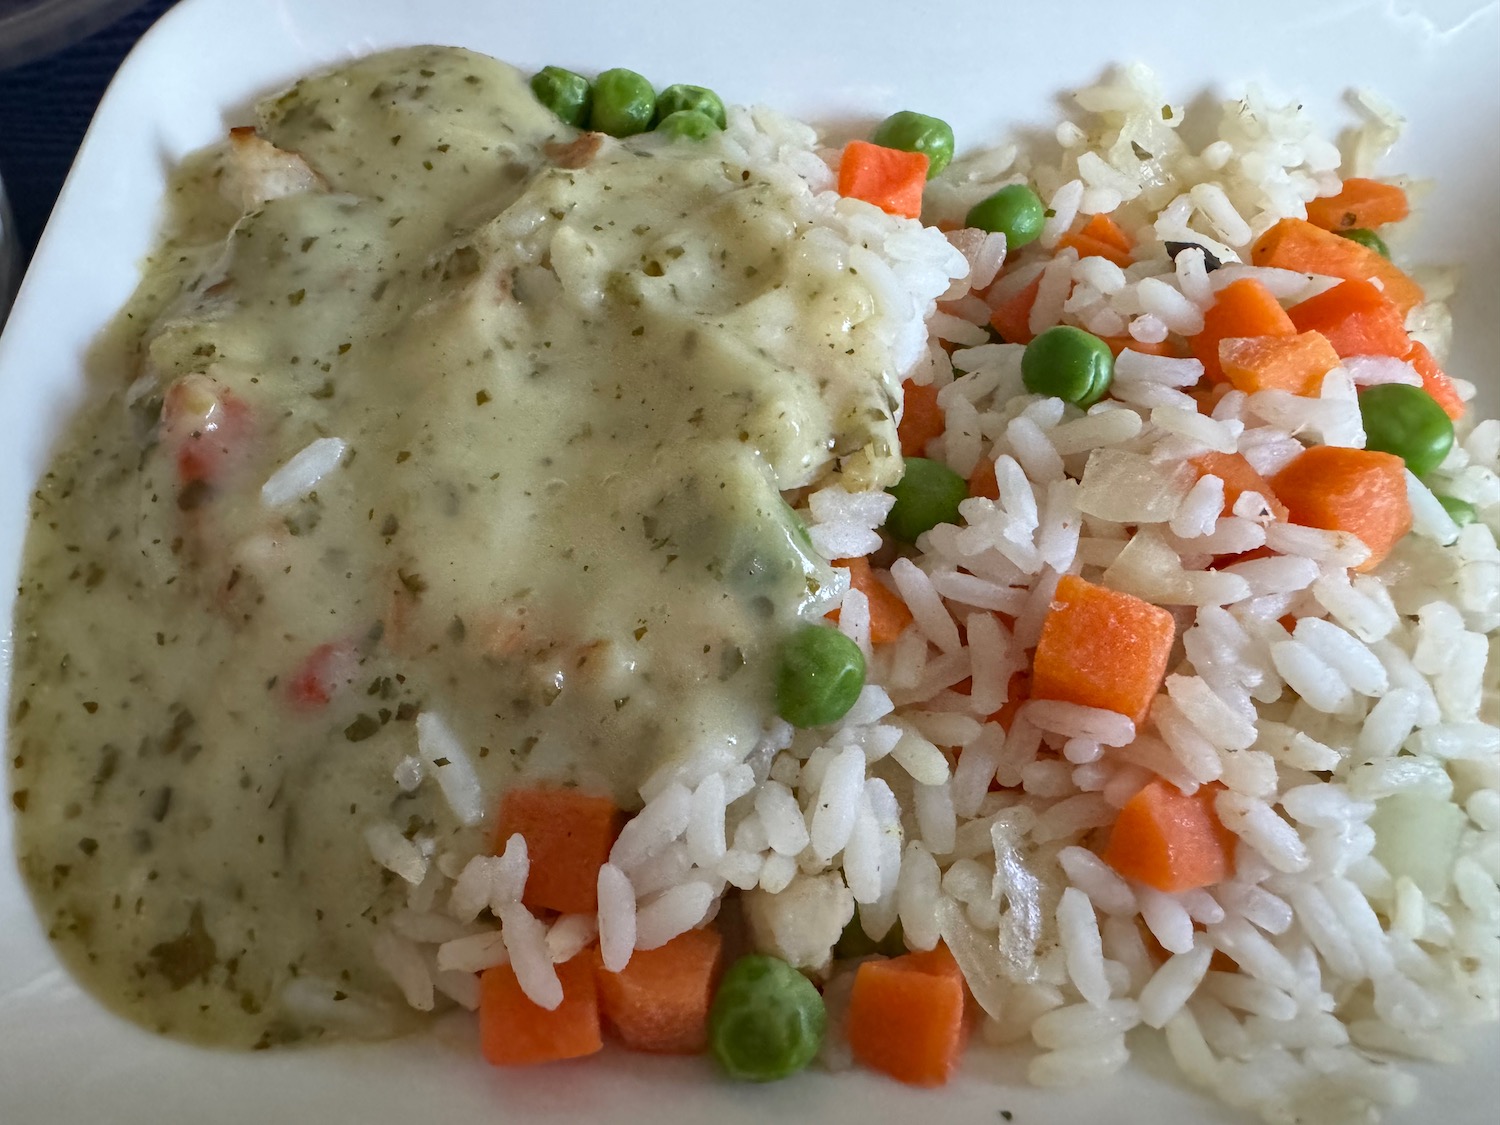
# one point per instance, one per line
(572, 382)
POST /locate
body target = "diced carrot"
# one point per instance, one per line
(887, 177)
(1101, 237)
(1118, 344)
(1357, 319)
(921, 418)
(568, 837)
(1277, 363)
(1102, 648)
(889, 616)
(513, 1031)
(1169, 840)
(1355, 490)
(1242, 308)
(1089, 246)
(1207, 395)
(1011, 316)
(659, 1002)
(1434, 381)
(1106, 230)
(1294, 244)
(937, 961)
(1017, 692)
(906, 1017)
(1239, 477)
(1359, 203)
(982, 480)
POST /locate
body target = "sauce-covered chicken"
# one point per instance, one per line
(429, 405)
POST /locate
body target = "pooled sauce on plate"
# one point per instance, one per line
(550, 387)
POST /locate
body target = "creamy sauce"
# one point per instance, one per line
(573, 377)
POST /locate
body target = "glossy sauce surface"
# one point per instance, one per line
(571, 376)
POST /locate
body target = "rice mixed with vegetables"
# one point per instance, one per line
(1178, 711)
(1154, 698)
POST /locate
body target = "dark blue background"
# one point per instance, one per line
(45, 106)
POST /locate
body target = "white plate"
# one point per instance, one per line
(62, 1059)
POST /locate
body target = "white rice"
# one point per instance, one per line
(300, 475)
(674, 911)
(395, 852)
(443, 754)
(1351, 929)
(526, 945)
(1173, 984)
(473, 954)
(617, 918)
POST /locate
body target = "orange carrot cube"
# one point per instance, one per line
(1434, 381)
(1293, 244)
(513, 1031)
(889, 616)
(906, 1017)
(890, 178)
(921, 418)
(1239, 477)
(1359, 491)
(1011, 316)
(660, 1001)
(1242, 308)
(1357, 319)
(1295, 364)
(1359, 203)
(1102, 648)
(568, 838)
(1169, 840)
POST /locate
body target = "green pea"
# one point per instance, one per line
(623, 103)
(1408, 422)
(679, 97)
(854, 942)
(1461, 511)
(916, 132)
(1368, 239)
(927, 494)
(566, 94)
(1068, 363)
(1015, 211)
(767, 1020)
(687, 124)
(818, 677)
